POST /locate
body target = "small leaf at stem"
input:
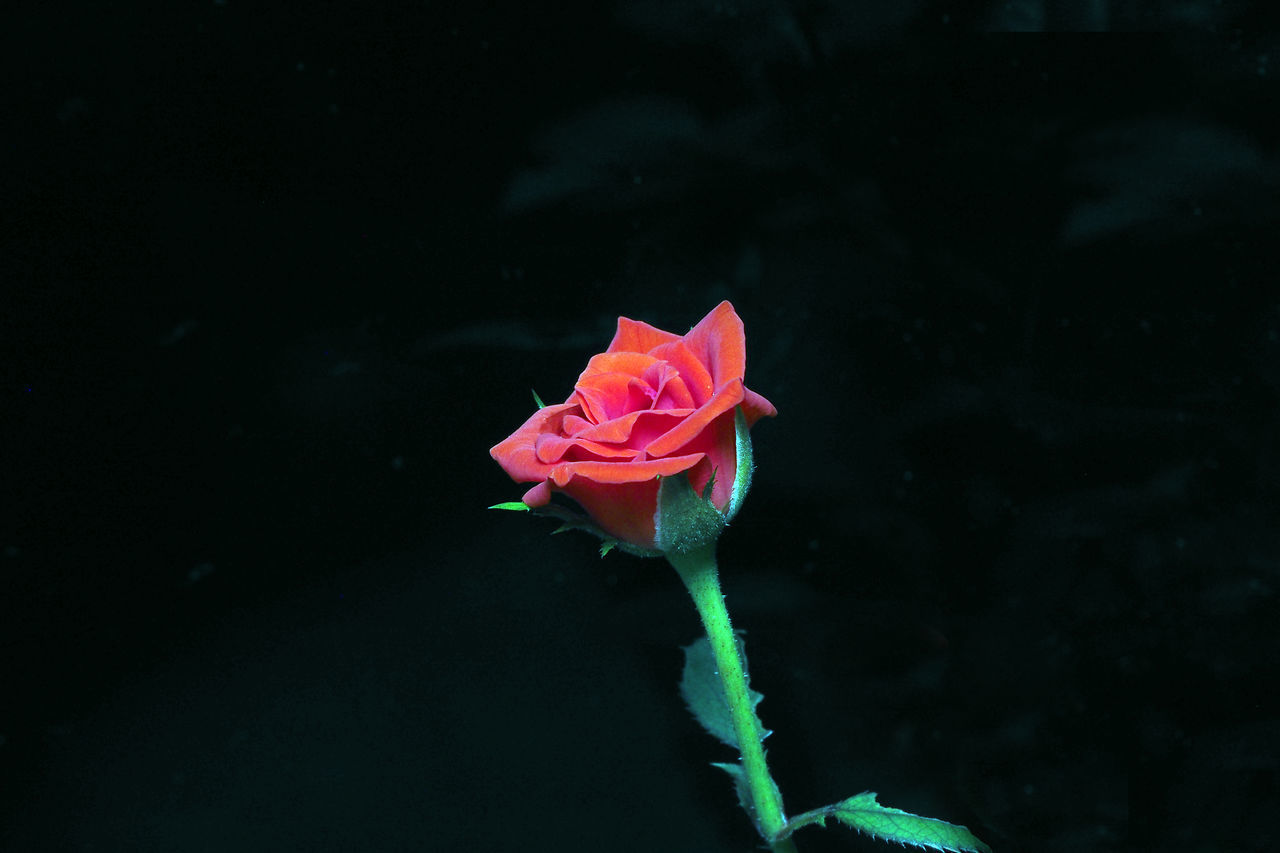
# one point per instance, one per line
(517, 506)
(864, 814)
(703, 692)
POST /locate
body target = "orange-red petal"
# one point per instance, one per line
(637, 336)
(720, 342)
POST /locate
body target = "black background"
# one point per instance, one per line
(276, 277)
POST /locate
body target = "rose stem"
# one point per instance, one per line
(698, 571)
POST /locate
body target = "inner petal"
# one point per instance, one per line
(697, 378)
(634, 430)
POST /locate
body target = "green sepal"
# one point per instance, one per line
(570, 520)
(685, 521)
(863, 813)
(703, 691)
(711, 484)
(745, 466)
(537, 399)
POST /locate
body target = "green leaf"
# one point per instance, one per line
(864, 814)
(740, 785)
(743, 789)
(516, 506)
(537, 399)
(703, 692)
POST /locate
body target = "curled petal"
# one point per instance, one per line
(517, 454)
(635, 430)
(552, 449)
(755, 407)
(689, 428)
(622, 472)
(697, 378)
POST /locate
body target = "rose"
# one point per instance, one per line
(654, 404)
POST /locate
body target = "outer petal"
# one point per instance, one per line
(756, 407)
(630, 363)
(622, 472)
(518, 455)
(636, 336)
(720, 342)
(624, 509)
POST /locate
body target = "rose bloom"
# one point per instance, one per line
(654, 404)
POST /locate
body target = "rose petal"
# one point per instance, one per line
(539, 495)
(755, 407)
(636, 336)
(553, 449)
(625, 511)
(622, 472)
(574, 424)
(517, 454)
(635, 429)
(630, 363)
(720, 342)
(689, 428)
(622, 507)
(606, 396)
(697, 378)
(674, 394)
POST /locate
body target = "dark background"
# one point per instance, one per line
(276, 278)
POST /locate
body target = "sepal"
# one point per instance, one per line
(745, 466)
(570, 520)
(685, 521)
(514, 506)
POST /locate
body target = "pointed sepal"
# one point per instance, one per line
(745, 464)
(570, 520)
(515, 506)
(685, 522)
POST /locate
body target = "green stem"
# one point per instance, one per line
(698, 571)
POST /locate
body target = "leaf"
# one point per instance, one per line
(864, 814)
(703, 691)
(515, 506)
(740, 785)
(743, 789)
(537, 399)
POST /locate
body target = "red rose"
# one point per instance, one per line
(653, 404)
